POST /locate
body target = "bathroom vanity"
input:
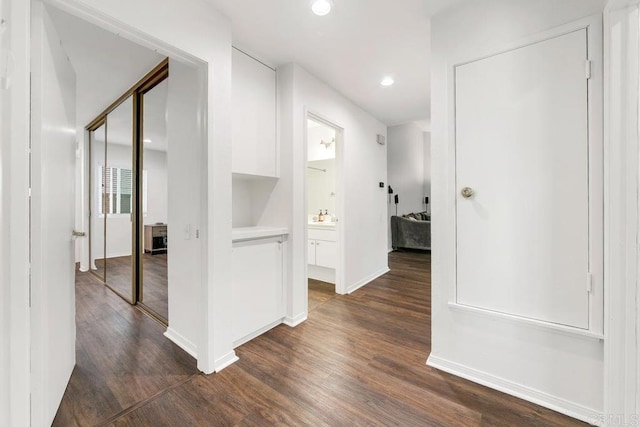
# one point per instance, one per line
(322, 251)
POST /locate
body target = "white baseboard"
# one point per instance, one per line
(182, 342)
(257, 333)
(541, 398)
(323, 274)
(224, 361)
(296, 320)
(367, 280)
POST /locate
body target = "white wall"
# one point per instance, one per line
(242, 207)
(427, 167)
(405, 166)
(406, 169)
(14, 158)
(184, 218)
(363, 202)
(5, 293)
(321, 187)
(563, 371)
(250, 196)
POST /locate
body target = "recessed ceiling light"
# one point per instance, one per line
(148, 141)
(387, 81)
(321, 7)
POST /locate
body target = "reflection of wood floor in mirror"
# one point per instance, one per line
(154, 291)
(155, 286)
(319, 293)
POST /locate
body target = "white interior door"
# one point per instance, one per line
(52, 219)
(522, 146)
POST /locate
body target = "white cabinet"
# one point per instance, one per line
(258, 286)
(326, 255)
(323, 248)
(255, 149)
(311, 252)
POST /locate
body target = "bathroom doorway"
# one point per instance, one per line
(323, 210)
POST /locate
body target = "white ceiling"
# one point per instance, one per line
(351, 49)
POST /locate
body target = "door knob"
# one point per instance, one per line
(466, 192)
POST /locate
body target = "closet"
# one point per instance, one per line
(128, 183)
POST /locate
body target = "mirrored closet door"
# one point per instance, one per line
(129, 197)
(118, 200)
(97, 230)
(153, 284)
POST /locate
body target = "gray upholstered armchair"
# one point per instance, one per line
(410, 233)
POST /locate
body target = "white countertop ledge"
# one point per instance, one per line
(322, 225)
(250, 233)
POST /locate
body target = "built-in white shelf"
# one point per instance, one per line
(568, 330)
(249, 233)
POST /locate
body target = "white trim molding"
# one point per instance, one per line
(514, 389)
(295, 320)
(367, 280)
(534, 323)
(14, 215)
(182, 342)
(622, 207)
(225, 361)
(249, 337)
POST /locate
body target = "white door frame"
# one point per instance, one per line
(622, 208)
(16, 223)
(75, 8)
(14, 274)
(340, 283)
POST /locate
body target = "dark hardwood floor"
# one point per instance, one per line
(358, 360)
(319, 293)
(122, 358)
